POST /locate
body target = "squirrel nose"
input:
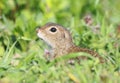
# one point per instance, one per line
(37, 29)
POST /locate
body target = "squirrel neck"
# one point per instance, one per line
(63, 48)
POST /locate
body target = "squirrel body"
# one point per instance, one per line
(60, 40)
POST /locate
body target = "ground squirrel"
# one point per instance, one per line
(60, 40)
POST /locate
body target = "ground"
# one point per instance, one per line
(94, 24)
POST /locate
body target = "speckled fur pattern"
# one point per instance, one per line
(61, 41)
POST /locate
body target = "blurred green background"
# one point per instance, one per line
(21, 51)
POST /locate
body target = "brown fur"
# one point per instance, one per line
(61, 41)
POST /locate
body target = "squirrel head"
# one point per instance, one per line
(54, 35)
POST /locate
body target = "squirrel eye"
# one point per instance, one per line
(53, 29)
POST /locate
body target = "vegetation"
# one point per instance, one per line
(94, 24)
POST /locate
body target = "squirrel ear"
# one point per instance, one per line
(67, 34)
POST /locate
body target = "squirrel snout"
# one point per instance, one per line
(37, 29)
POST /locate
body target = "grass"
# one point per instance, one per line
(21, 51)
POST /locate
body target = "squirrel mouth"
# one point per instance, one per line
(40, 38)
(38, 34)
